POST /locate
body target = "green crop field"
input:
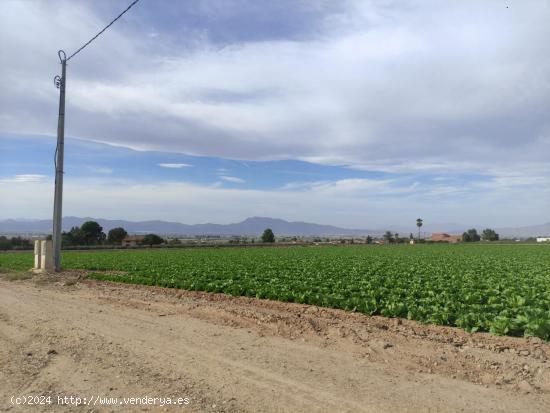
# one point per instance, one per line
(504, 289)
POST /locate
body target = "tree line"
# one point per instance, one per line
(14, 243)
(471, 235)
(488, 234)
(91, 233)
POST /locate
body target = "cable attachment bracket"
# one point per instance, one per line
(57, 80)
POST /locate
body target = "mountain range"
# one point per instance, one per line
(254, 226)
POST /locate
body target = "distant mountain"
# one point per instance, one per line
(525, 232)
(252, 226)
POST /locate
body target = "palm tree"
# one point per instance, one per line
(419, 224)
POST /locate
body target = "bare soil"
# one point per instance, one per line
(63, 335)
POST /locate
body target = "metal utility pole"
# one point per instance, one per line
(61, 83)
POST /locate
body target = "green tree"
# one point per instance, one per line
(489, 234)
(388, 236)
(268, 236)
(471, 236)
(18, 242)
(369, 239)
(74, 237)
(116, 235)
(152, 239)
(5, 243)
(92, 233)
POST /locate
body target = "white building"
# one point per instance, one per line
(543, 239)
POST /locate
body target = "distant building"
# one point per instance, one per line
(543, 239)
(441, 236)
(132, 240)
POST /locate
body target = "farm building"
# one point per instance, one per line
(441, 236)
(132, 240)
(543, 239)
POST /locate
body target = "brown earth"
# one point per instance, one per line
(66, 335)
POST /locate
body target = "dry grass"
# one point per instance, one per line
(11, 275)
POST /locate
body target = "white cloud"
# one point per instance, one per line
(103, 170)
(175, 165)
(232, 179)
(427, 86)
(348, 203)
(353, 187)
(24, 178)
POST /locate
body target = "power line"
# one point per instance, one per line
(60, 82)
(105, 28)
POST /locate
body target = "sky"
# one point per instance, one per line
(351, 113)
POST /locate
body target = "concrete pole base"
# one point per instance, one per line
(43, 256)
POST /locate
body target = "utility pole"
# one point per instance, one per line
(61, 83)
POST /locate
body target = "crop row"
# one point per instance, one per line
(504, 289)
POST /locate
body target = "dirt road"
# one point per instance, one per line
(90, 339)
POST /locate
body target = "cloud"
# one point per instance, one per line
(174, 165)
(103, 170)
(418, 90)
(358, 203)
(25, 178)
(367, 83)
(232, 179)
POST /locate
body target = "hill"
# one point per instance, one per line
(255, 226)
